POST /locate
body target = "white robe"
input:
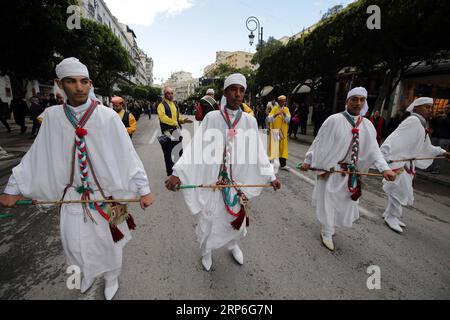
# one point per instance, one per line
(45, 171)
(408, 141)
(334, 206)
(214, 230)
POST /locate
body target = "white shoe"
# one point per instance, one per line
(392, 222)
(327, 242)
(207, 261)
(401, 224)
(111, 288)
(86, 285)
(237, 254)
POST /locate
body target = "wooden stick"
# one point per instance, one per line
(414, 159)
(344, 172)
(218, 186)
(35, 202)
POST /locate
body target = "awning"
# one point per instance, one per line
(301, 88)
(265, 91)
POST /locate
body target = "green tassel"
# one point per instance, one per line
(5, 216)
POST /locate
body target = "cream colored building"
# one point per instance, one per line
(183, 85)
(235, 59)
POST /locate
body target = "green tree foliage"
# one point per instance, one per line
(411, 31)
(97, 47)
(32, 32)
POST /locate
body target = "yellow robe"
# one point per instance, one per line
(247, 109)
(283, 126)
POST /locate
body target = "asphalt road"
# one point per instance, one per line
(284, 258)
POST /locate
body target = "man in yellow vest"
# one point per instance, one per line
(170, 121)
(127, 118)
(278, 120)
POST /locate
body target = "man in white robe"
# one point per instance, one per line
(409, 141)
(202, 163)
(345, 139)
(47, 170)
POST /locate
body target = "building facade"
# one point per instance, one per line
(183, 85)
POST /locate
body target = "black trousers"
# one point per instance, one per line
(282, 162)
(5, 123)
(167, 150)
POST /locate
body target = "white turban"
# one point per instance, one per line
(419, 102)
(210, 91)
(235, 78)
(71, 67)
(359, 91)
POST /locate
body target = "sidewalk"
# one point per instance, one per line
(15, 144)
(442, 178)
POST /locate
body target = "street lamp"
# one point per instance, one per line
(253, 25)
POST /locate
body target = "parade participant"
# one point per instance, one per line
(410, 140)
(170, 122)
(206, 105)
(278, 120)
(83, 152)
(346, 141)
(127, 118)
(222, 215)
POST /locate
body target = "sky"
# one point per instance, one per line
(184, 35)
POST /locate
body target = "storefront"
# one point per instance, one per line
(425, 81)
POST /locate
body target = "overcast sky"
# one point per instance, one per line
(185, 34)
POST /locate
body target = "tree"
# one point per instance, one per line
(266, 49)
(97, 47)
(32, 33)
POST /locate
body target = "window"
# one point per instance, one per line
(91, 9)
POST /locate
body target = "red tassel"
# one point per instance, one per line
(130, 222)
(117, 235)
(237, 223)
(81, 132)
(357, 194)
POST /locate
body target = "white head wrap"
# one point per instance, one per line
(235, 78)
(72, 67)
(359, 91)
(419, 102)
(210, 91)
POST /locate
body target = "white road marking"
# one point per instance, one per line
(362, 210)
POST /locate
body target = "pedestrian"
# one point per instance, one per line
(378, 122)
(107, 167)
(409, 141)
(222, 216)
(261, 116)
(319, 116)
(127, 118)
(304, 113)
(295, 122)
(278, 120)
(4, 115)
(346, 141)
(36, 108)
(440, 126)
(395, 121)
(170, 123)
(20, 110)
(206, 105)
(52, 100)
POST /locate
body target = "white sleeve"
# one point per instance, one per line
(381, 165)
(12, 188)
(139, 183)
(270, 119)
(287, 118)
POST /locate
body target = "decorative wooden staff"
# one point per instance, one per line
(223, 186)
(345, 172)
(414, 159)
